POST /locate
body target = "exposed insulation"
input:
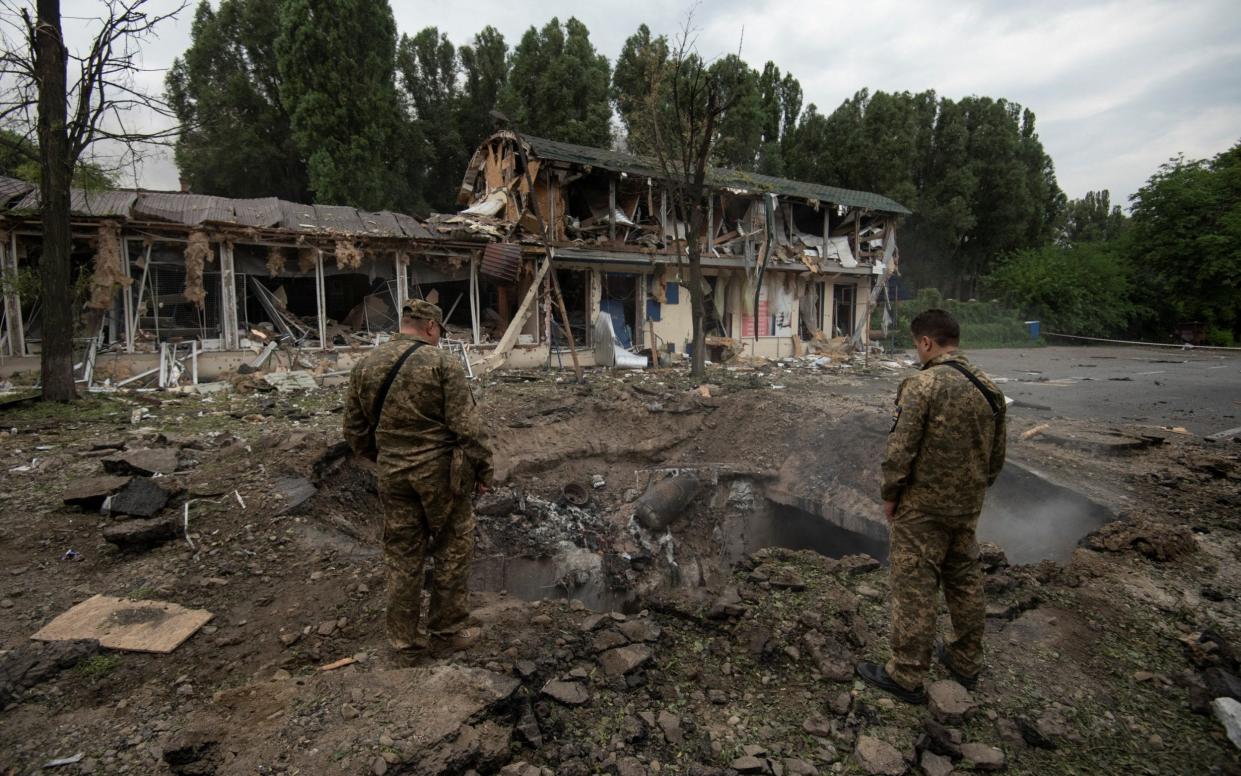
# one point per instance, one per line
(109, 268)
(348, 255)
(307, 256)
(197, 253)
(276, 258)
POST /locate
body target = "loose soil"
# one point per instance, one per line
(1098, 664)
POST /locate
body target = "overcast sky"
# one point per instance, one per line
(1118, 87)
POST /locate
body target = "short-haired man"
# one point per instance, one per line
(410, 409)
(946, 447)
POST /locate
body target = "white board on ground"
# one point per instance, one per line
(121, 623)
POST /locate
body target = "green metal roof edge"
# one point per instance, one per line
(716, 176)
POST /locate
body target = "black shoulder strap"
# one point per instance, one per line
(995, 408)
(378, 406)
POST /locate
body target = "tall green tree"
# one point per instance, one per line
(236, 138)
(1186, 234)
(336, 60)
(973, 171)
(428, 68)
(1093, 218)
(641, 63)
(781, 99)
(558, 86)
(484, 66)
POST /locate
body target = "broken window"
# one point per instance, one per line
(621, 300)
(843, 303)
(575, 288)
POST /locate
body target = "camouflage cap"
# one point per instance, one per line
(421, 308)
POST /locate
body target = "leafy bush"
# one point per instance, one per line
(1083, 289)
(983, 324)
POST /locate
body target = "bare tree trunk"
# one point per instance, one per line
(54, 267)
(698, 366)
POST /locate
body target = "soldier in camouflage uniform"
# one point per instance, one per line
(946, 447)
(429, 446)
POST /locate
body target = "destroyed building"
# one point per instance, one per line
(175, 283)
(619, 247)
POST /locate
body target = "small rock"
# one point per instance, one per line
(289, 639)
(140, 497)
(541, 619)
(622, 660)
(526, 668)
(640, 630)
(1142, 676)
(866, 591)
(754, 750)
(143, 463)
(568, 693)
(841, 703)
(935, 765)
(817, 726)
(749, 764)
(379, 767)
(6, 603)
(608, 639)
(140, 534)
(878, 758)
(949, 702)
(327, 628)
(795, 767)
(185, 689)
(670, 724)
(1228, 712)
(349, 711)
(984, 758)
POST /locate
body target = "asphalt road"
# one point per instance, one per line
(1198, 390)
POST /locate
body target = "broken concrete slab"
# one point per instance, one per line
(568, 693)
(1228, 712)
(140, 497)
(622, 660)
(141, 533)
(89, 494)
(121, 623)
(143, 462)
(983, 757)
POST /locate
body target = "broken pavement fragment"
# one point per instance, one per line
(140, 497)
(89, 494)
(622, 660)
(140, 534)
(144, 462)
(878, 758)
(568, 693)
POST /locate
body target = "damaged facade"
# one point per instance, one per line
(619, 248)
(173, 276)
(176, 276)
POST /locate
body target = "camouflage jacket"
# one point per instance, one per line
(945, 447)
(429, 420)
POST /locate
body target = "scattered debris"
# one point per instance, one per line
(120, 623)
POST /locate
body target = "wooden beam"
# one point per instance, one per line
(568, 329)
(228, 298)
(16, 342)
(509, 339)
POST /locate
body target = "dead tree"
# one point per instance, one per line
(683, 106)
(55, 123)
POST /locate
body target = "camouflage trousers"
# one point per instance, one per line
(422, 518)
(927, 552)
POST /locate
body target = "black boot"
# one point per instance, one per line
(877, 675)
(968, 682)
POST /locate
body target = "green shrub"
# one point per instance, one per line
(983, 324)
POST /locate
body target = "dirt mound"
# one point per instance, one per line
(1157, 541)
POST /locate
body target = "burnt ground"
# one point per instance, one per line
(1104, 662)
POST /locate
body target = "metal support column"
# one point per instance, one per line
(402, 281)
(321, 300)
(474, 299)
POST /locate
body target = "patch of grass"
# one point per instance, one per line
(141, 594)
(96, 667)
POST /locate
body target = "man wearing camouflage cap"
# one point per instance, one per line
(946, 447)
(427, 440)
